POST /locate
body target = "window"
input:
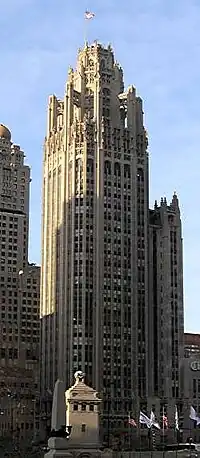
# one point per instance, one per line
(75, 406)
(83, 428)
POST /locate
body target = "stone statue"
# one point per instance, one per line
(79, 376)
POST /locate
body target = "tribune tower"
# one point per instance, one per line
(94, 283)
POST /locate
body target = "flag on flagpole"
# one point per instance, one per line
(176, 419)
(132, 422)
(165, 421)
(143, 419)
(89, 15)
(193, 415)
(153, 420)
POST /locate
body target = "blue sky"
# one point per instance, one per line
(158, 44)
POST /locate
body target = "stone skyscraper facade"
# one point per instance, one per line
(19, 280)
(106, 296)
(166, 320)
(19, 290)
(94, 279)
(166, 294)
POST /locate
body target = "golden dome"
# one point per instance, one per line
(4, 132)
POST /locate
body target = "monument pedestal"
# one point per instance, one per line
(58, 448)
(58, 454)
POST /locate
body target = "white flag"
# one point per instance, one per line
(153, 420)
(89, 15)
(145, 420)
(176, 419)
(193, 415)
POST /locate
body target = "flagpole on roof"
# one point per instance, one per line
(87, 17)
(85, 31)
(129, 428)
(140, 440)
(177, 424)
(163, 425)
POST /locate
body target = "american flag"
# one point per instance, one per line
(132, 422)
(165, 421)
(89, 15)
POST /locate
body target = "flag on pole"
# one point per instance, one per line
(89, 15)
(132, 422)
(176, 419)
(153, 420)
(165, 421)
(143, 419)
(193, 415)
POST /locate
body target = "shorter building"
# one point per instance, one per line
(30, 322)
(19, 297)
(191, 344)
(19, 355)
(166, 341)
(82, 406)
(191, 395)
(18, 404)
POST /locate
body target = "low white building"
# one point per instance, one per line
(82, 413)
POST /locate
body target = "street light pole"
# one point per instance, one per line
(11, 418)
(109, 405)
(34, 418)
(109, 410)
(10, 396)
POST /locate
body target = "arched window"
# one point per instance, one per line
(107, 168)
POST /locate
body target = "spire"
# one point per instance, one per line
(70, 70)
(175, 202)
(163, 202)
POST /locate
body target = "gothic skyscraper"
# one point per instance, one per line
(166, 325)
(94, 280)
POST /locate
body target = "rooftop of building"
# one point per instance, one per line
(191, 339)
(5, 132)
(81, 391)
